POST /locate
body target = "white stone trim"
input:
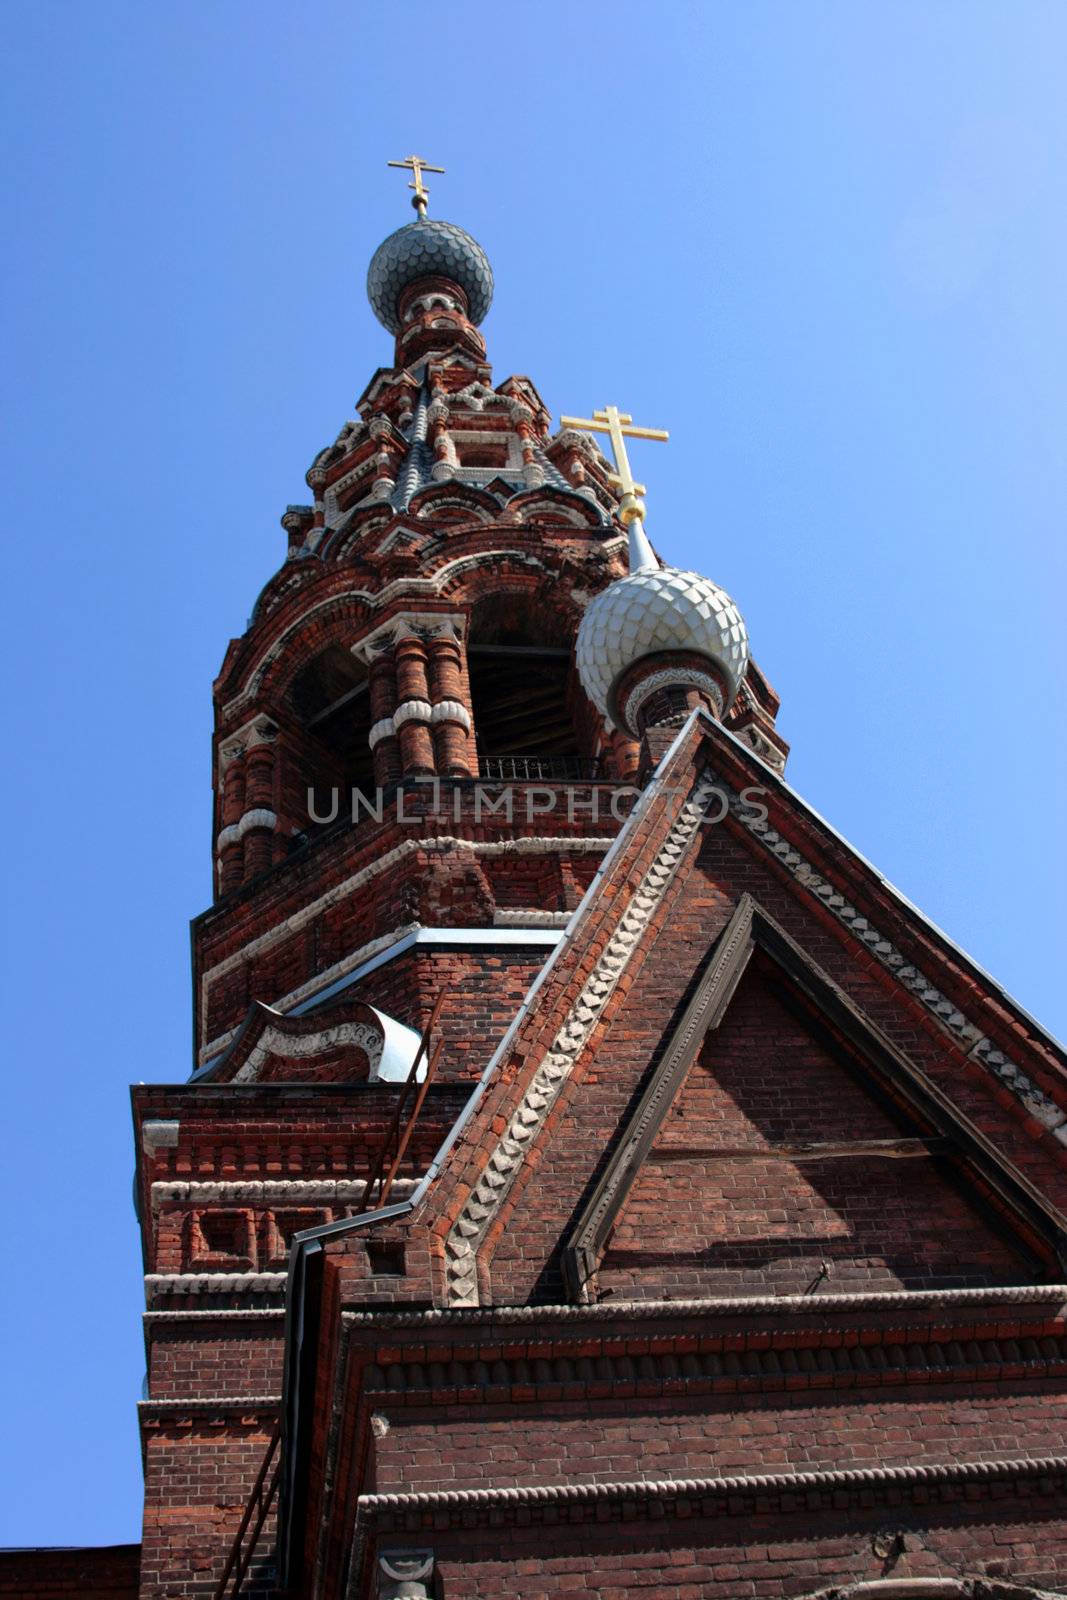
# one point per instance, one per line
(502, 1168)
(529, 917)
(383, 729)
(412, 711)
(165, 1283)
(159, 1134)
(667, 678)
(443, 843)
(268, 1192)
(423, 625)
(260, 729)
(452, 711)
(259, 817)
(273, 1041)
(965, 1033)
(375, 600)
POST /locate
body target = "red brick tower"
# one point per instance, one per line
(594, 1178)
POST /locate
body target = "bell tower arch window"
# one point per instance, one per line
(330, 697)
(524, 691)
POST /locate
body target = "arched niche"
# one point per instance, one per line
(524, 694)
(330, 699)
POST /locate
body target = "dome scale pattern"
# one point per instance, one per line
(654, 609)
(428, 248)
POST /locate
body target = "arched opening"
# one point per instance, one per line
(523, 691)
(331, 701)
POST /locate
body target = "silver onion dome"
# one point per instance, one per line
(428, 248)
(651, 610)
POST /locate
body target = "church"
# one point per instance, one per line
(594, 1178)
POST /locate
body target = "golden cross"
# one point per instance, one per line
(618, 425)
(418, 166)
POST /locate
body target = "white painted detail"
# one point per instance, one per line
(384, 729)
(452, 711)
(529, 917)
(260, 817)
(668, 678)
(412, 711)
(269, 1191)
(273, 1041)
(159, 1135)
(483, 1204)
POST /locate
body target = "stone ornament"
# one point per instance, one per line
(494, 1185)
(405, 1574)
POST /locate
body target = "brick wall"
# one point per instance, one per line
(108, 1573)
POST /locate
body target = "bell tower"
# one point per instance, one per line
(593, 1177)
(417, 773)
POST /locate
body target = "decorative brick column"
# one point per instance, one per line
(257, 824)
(444, 447)
(523, 419)
(451, 723)
(413, 714)
(229, 846)
(624, 757)
(382, 737)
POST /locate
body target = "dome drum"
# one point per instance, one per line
(662, 689)
(684, 625)
(422, 250)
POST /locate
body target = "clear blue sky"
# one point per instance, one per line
(823, 243)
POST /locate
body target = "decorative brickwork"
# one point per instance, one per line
(724, 1255)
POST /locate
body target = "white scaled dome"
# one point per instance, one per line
(654, 609)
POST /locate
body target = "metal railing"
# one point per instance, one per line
(539, 769)
(256, 1513)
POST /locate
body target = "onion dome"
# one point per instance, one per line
(427, 248)
(657, 611)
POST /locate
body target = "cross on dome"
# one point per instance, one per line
(416, 165)
(618, 425)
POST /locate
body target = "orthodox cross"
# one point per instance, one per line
(618, 425)
(418, 166)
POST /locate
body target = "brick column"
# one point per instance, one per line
(451, 714)
(413, 713)
(229, 845)
(259, 807)
(383, 702)
(625, 756)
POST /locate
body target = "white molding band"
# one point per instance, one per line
(259, 817)
(682, 677)
(385, 728)
(452, 711)
(503, 1165)
(267, 1191)
(272, 1041)
(412, 711)
(529, 917)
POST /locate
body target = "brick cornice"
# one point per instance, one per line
(784, 1492)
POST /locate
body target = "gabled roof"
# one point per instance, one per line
(751, 926)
